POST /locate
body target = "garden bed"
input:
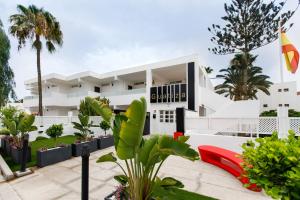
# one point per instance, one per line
(105, 142)
(53, 155)
(37, 145)
(77, 147)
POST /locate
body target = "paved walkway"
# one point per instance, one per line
(62, 181)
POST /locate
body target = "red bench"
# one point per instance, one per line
(177, 134)
(227, 160)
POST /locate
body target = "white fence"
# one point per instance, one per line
(44, 122)
(261, 125)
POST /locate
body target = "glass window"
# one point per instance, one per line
(280, 105)
(265, 105)
(279, 90)
(287, 105)
(286, 89)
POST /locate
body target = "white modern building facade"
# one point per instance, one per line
(166, 85)
(281, 95)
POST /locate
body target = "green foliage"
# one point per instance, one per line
(274, 165)
(90, 106)
(9, 112)
(36, 25)
(144, 157)
(104, 125)
(19, 125)
(4, 131)
(84, 127)
(7, 83)
(242, 80)
(208, 70)
(273, 113)
(249, 25)
(55, 131)
(40, 138)
(270, 113)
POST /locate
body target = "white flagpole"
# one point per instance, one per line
(280, 51)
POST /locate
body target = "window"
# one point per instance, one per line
(265, 105)
(279, 90)
(167, 116)
(287, 105)
(286, 89)
(130, 87)
(280, 105)
(97, 89)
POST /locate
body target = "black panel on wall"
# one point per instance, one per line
(177, 94)
(169, 93)
(191, 86)
(183, 92)
(165, 94)
(159, 95)
(153, 94)
(172, 93)
(180, 120)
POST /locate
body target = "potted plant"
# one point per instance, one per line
(57, 153)
(84, 135)
(106, 140)
(143, 158)
(8, 113)
(18, 128)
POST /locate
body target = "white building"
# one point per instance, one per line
(180, 82)
(281, 95)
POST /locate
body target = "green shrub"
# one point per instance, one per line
(55, 131)
(104, 125)
(274, 165)
(38, 138)
(273, 113)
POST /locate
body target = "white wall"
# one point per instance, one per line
(284, 97)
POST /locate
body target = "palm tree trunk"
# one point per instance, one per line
(38, 64)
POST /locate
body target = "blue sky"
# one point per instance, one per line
(106, 35)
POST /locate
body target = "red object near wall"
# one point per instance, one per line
(177, 134)
(227, 160)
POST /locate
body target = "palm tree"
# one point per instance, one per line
(35, 24)
(208, 70)
(242, 81)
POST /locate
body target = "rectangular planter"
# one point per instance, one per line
(16, 154)
(52, 156)
(5, 145)
(77, 147)
(106, 141)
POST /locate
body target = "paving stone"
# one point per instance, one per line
(76, 185)
(7, 192)
(69, 163)
(70, 196)
(38, 187)
(61, 174)
(103, 175)
(102, 192)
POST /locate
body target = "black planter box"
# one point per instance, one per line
(16, 154)
(52, 156)
(77, 147)
(105, 141)
(6, 145)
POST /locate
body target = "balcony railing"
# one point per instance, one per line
(89, 93)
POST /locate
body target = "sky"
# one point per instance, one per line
(102, 36)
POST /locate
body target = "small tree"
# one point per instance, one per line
(55, 131)
(104, 126)
(249, 25)
(83, 127)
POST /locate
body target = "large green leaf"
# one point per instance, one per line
(171, 182)
(101, 109)
(117, 128)
(11, 126)
(84, 119)
(26, 124)
(107, 158)
(122, 179)
(169, 146)
(131, 132)
(146, 149)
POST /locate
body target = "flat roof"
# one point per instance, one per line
(129, 70)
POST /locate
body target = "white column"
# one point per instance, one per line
(148, 86)
(283, 122)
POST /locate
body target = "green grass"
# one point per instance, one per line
(38, 144)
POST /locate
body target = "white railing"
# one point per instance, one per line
(257, 126)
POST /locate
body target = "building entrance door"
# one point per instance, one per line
(165, 122)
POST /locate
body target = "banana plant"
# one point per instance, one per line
(84, 127)
(19, 126)
(143, 157)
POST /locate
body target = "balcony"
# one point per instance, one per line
(73, 99)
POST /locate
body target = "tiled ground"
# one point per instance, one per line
(62, 181)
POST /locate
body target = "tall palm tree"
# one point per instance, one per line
(242, 81)
(36, 24)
